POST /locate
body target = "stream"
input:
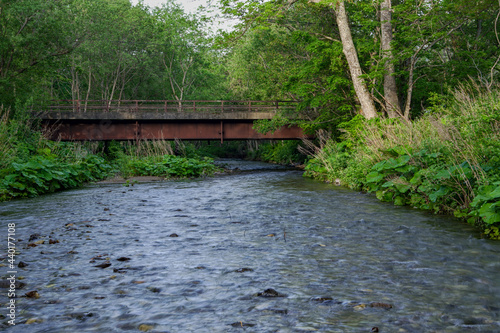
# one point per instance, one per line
(262, 249)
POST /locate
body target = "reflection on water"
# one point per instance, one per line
(191, 256)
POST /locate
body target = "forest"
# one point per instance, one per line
(403, 95)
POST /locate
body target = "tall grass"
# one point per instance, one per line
(5, 139)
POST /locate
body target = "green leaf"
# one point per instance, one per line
(495, 194)
(18, 186)
(443, 174)
(403, 188)
(379, 166)
(406, 168)
(399, 201)
(443, 190)
(489, 213)
(374, 177)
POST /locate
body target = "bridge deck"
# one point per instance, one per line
(147, 120)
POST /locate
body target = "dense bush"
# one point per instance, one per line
(168, 166)
(41, 175)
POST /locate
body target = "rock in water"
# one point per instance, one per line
(270, 293)
(244, 269)
(104, 265)
(381, 305)
(32, 294)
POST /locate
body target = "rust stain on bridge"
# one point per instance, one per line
(169, 120)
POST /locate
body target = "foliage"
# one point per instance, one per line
(281, 152)
(486, 206)
(70, 165)
(337, 163)
(293, 49)
(103, 50)
(422, 180)
(274, 60)
(227, 149)
(168, 166)
(44, 174)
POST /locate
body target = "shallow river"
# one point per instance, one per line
(202, 255)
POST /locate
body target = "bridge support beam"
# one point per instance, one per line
(100, 130)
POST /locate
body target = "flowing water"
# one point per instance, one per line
(201, 251)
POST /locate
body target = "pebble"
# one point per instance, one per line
(145, 328)
(33, 321)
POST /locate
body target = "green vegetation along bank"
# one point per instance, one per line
(30, 165)
(447, 161)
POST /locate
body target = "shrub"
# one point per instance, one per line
(168, 166)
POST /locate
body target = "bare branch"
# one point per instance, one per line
(326, 37)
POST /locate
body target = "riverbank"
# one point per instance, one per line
(447, 162)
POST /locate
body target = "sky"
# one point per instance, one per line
(190, 6)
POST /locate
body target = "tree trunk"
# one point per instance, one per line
(365, 99)
(390, 87)
(409, 92)
(88, 88)
(75, 86)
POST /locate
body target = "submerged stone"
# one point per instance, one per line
(270, 293)
(244, 269)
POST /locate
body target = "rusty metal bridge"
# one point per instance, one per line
(82, 120)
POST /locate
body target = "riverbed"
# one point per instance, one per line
(262, 249)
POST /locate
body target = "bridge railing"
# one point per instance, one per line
(206, 106)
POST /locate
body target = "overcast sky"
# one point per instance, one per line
(189, 5)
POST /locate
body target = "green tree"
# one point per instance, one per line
(34, 34)
(442, 43)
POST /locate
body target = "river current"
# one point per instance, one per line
(257, 250)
